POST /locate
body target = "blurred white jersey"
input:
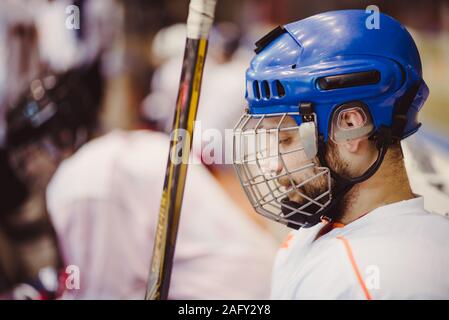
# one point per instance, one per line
(398, 251)
(419, 159)
(104, 202)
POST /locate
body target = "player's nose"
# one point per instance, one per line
(272, 166)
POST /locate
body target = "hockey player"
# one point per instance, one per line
(30, 263)
(47, 123)
(318, 150)
(105, 199)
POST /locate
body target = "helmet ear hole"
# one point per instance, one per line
(351, 121)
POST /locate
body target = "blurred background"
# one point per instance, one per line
(126, 30)
(137, 47)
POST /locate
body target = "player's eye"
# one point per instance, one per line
(285, 141)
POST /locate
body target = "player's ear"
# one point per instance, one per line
(351, 128)
(353, 119)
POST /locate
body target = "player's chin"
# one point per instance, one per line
(294, 196)
(296, 200)
(303, 195)
(297, 197)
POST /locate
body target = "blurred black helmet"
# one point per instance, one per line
(54, 103)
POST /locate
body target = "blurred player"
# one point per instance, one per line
(104, 203)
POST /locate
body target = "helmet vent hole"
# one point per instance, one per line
(256, 89)
(280, 89)
(266, 89)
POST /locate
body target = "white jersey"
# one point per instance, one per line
(398, 251)
(104, 202)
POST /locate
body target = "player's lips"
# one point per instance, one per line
(285, 182)
(290, 189)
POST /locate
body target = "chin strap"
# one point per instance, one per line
(344, 185)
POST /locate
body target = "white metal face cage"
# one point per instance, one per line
(262, 160)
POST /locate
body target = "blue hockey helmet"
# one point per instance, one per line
(333, 58)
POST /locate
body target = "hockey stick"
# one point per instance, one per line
(199, 22)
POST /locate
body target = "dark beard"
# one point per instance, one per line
(319, 187)
(312, 208)
(312, 191)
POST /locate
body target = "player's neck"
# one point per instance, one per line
(390, 184)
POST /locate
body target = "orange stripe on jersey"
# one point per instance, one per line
(286, 242)
(355, 267)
